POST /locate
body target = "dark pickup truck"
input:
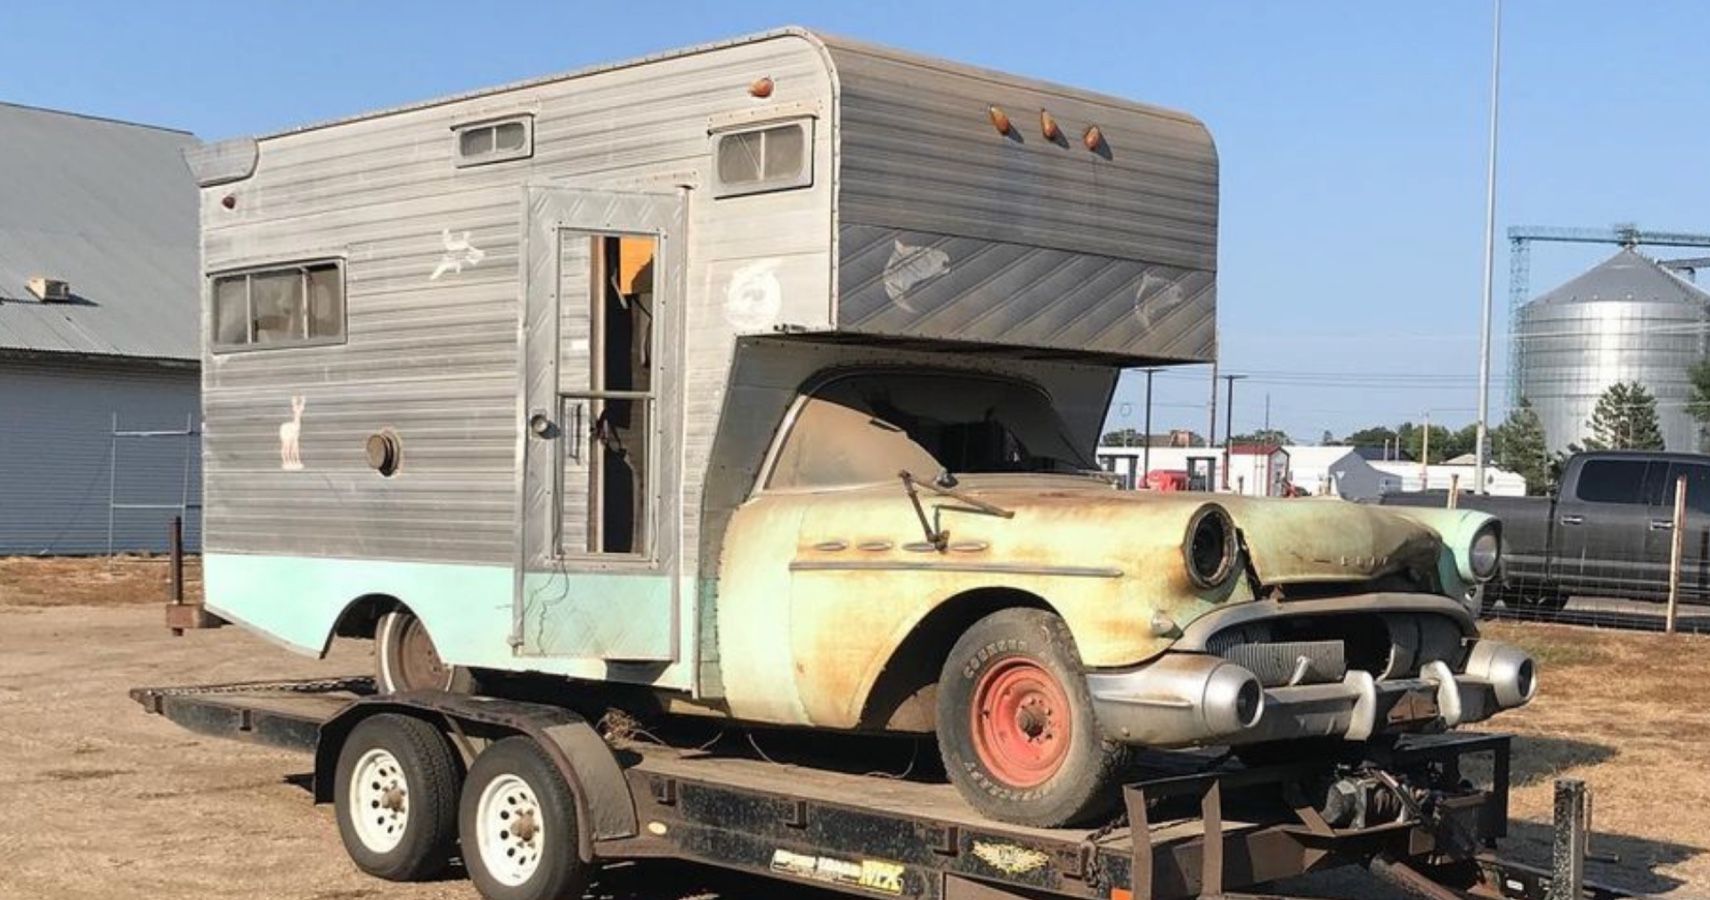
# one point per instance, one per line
(1608, 532)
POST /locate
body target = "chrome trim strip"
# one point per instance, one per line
(1200, 630)
(815, 565)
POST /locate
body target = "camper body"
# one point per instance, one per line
(764, 374)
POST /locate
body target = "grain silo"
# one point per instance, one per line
(1626, 319)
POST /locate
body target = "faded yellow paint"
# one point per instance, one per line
(818, 588)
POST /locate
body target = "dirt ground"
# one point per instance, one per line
(103, 801)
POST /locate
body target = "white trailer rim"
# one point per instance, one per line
(510, 830)
(379, 800)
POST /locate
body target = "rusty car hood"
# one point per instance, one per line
(1288, 540)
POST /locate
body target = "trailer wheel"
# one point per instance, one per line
(517, 825)
(1016, 725)
(405, 658)
(395, 794)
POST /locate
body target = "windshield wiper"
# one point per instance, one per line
(944, 486)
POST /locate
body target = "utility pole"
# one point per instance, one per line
(1211, 438)
(1228, 423)
(1489, 251)
(1425, 456)
(1146, 433)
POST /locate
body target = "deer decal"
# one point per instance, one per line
(290, 433)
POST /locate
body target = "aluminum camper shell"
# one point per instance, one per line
(939, 214)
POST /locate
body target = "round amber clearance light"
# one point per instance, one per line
(1210, 548)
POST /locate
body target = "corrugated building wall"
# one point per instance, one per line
(56, 455)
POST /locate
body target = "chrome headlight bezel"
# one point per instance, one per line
(1484, 553)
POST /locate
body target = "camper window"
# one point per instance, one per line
(279, 306)
(763, 159)
(491, 142)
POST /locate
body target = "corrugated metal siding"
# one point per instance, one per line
(110, 208)
(56, 422)
(950, 230)
(437, 360)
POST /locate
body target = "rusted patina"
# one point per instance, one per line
(820, 588)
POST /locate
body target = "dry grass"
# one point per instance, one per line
(1622, 712)
(91, 581)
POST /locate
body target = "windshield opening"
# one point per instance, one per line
(865, 428)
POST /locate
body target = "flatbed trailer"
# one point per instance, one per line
(1197, 825)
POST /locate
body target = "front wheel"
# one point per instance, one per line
(1016, 725)
(517, 826)
(395, 797)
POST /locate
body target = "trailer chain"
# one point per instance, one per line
(1089, 852)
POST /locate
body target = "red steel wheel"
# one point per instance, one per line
(1021, 722)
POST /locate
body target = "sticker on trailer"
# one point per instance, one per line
(1010, 859)
(872, 874)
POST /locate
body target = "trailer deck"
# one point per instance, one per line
(1196, 825)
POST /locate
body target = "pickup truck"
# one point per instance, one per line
(1608, 532)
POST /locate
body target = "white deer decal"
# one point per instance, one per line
(290, 433)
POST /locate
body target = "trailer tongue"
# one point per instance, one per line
(1199, 826)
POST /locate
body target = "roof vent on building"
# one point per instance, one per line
(50, 290)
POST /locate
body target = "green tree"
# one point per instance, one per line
(1376, 436)
(1412, 438)
(1264, 436)
(1625, 419)
(1698, 406)
(1518, 446)
(1123, 437)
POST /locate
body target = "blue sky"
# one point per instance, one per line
(1351, 136)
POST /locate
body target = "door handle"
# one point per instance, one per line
(1573, 520)
(573, 426)
(1661, 525)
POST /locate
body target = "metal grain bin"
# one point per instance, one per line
(1626, 319)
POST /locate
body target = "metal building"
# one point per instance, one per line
(1626, 319)
(98, 334)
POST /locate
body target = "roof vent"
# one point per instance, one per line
(50, 290)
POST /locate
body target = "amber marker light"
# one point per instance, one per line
(229, 201)
(761, 88)
(1093, 139)
(1048, 126)
(1000, 120)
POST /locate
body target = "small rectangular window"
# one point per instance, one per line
(773, 158)
(481, 143)
(279, 306)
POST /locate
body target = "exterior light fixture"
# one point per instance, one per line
(761, 88)
(1048, 127)
(1000, 120)
(1093, 139)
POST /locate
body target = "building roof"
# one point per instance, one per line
(110, 208)
(1628, 275)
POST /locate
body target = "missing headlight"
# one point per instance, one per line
(1210, 548)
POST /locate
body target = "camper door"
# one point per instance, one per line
(599, 536)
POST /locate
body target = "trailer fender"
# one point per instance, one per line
(604, 806)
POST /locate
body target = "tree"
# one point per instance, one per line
(1459, 443)
(1625, 419)
(1412, 441)
(1518, 446)
(1698, 406)
(1375, 436)
(1328, 440)
(1123, 437)
(1264, 436)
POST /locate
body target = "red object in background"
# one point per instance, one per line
(1166, 480)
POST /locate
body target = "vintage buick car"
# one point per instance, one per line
(765, 376)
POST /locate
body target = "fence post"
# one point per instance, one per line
(1454, 489)
(1677, 549)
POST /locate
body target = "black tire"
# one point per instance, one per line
(558, 872)
(405, 658)
(1074, 782)
(422, 776)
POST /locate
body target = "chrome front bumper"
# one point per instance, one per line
(1191, 699)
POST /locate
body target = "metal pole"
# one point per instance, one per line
(1677, 549)
(1211, 441)
(1425, 456)
(1489, 253)
(1228, 423)
(1146, 434)
(112, 482)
